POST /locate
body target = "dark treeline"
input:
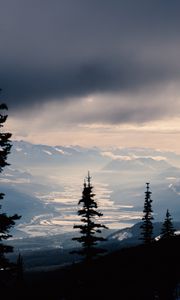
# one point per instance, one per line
(8, 270)
(145, 272)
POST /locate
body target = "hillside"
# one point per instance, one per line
(53, 251)
(141, 272)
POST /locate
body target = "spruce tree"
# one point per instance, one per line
(147, 226)
(167, 230)
(6, 222)
(89, 227)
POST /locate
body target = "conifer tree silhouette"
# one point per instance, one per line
(168, 229)
(20, 269)
(6, 222)
(147, 226)
(89, 228)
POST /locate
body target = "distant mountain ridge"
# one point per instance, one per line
(138, 164)
(36, 153)
(25, 154)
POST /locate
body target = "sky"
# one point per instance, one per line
(92, 72)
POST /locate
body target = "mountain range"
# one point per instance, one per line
(44, 184)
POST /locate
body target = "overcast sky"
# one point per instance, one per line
(92, 72)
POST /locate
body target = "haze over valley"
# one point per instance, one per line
(44, 184)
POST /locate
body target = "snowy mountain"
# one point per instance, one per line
(25, 154)
(138, 165)
(132, 235)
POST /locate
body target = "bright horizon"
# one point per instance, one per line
(163, 135)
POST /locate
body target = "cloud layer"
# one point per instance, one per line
(68, 50)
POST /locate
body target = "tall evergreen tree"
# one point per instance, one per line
(89, 227)
(168, 229)
(6, 222)
(147, 226)
(20, 269)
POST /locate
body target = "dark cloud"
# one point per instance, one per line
(64, 49)
(25, 87)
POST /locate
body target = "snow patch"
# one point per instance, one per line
(122, 236)
(132, 156)
(47, 152)
(18, 149)
(61, 151)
